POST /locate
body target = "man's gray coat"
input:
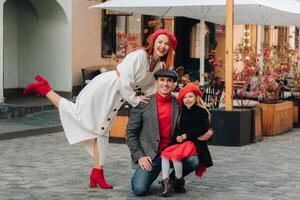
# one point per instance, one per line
(143, 129)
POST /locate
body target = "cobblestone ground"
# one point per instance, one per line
(47, 167)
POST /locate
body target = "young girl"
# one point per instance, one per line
(194, 122)
(89, 120)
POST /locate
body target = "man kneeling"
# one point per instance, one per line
(149, 131)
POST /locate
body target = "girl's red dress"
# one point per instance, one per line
(182, 151)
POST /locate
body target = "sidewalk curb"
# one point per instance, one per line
(30, 132)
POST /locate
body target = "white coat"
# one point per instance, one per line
(97, 104)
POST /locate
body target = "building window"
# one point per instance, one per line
(114, 28)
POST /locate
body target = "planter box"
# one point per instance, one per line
(256, 129)
(118, 129)
(232, 128)
(296, 115)
(296, 110)
(276, 118)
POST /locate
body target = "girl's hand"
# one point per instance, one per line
(179, 139)
(183, 136)
(143, 98)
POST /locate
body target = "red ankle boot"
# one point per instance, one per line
(97, 177)
(42, 86)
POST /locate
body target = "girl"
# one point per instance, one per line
(89, 120)
(193, 122)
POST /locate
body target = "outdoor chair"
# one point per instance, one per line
(212, 94)
(89, 73)
(194, 75)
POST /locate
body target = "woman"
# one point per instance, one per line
(89, 120)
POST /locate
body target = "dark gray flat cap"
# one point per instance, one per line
(166, 73)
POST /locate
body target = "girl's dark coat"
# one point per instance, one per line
(195, 122)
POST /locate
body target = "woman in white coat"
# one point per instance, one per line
(89, 120)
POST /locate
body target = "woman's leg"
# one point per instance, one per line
(53, 98)
(97, 174)
(43, 88)
(96, 161)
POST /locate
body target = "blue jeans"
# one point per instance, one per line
(142, 180)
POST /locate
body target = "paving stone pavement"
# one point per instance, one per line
(47, 167)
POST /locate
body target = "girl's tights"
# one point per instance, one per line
(165, 165)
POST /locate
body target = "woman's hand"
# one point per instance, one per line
(144, 99)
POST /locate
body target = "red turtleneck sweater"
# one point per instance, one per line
(164, 114)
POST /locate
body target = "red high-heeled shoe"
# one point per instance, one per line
(42, 86)
(97, 177)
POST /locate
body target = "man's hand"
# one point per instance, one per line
(207, 135)
(145, 163)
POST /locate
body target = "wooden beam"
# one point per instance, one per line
(229, 55)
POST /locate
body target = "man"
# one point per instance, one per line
(149, 130)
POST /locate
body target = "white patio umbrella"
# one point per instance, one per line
(266, 12)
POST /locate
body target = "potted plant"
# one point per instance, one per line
(277, 115)
(265, 84)
(293, 86)
(245, 78)
(232, 128)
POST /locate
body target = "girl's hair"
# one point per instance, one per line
(167, 59)
(199, 102)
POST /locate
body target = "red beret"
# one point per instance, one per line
(186, 89)
(170, 35)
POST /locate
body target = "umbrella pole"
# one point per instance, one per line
(298, 49)
(260, 41)
(229, 55)
(202, 51)
(1, 61)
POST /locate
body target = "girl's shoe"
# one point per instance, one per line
(179, 185)
(42, 86)
(97, 177)
(167, 187)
